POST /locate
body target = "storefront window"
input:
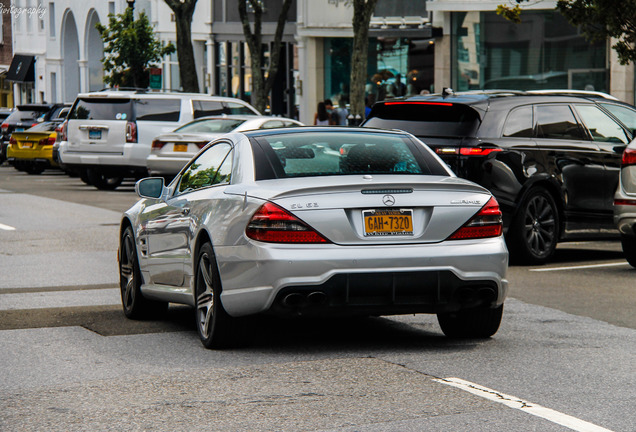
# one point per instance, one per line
(543, 51)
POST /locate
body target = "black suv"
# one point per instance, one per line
(552, 160)
(26, 116)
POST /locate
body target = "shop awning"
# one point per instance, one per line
(22, 68)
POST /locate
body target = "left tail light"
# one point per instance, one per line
(47, 141)
(131, 132)
(60, 131)
(629, 157)
(486, 223)
(273, 224)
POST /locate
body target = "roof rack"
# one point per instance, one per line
(573, 93)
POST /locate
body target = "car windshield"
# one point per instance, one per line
(102, 109)
(25, 116)
(211, 126)
(343, 153)
(425, 119)
(44, 127)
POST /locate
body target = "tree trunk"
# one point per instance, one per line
(362, 11)
(261, 87)
(183, 11)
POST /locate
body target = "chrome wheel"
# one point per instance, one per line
(127, 273)
(205, 297)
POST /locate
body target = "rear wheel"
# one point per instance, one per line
(83, 175)
(215, 327)
(471, 323)
(103, 181)
(629, 249)
(34, 169)
(534, 230)
(135, 305)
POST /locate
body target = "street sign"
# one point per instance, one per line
(155, 78)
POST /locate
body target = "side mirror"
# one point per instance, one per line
(151, 187)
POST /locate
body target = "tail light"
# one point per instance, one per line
(202, 144)
(486, 223)
(274, 224)
(157, 145)
(629, 157)
(47, 141)
(4, 127)
(61, 132)
(13, 141)
(467, 151)
(131, 132)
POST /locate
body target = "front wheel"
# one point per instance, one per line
(472, 323)
(534, 230)
(135, 305)
(216, 328)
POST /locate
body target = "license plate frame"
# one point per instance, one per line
(180, 147)
(387, 222)
(94, 134)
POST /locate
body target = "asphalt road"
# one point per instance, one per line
(562, 360)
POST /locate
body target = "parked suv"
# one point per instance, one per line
(551, 160)
(109, 134)
(26, 116)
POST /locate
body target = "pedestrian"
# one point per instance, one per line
(322, 117)
(341, 113)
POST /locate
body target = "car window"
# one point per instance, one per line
(158, 109)
(24, 116)
(44, 127)
(328, 154)
(211, 167)
(220, 125)
(101, 109)
(557, 122)
(203, 108)
(519, 123)
(601, 126)
(625, 114)
(237, 108)
(426, 119)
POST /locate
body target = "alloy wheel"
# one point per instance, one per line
(540, 225)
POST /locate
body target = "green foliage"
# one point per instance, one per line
(130, 48)
(511, 14)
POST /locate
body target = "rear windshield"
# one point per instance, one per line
(44, 127)
(102, 109)
(25, 116)
(237, 108)
(341, 153)
(211, 126)
(425, 119)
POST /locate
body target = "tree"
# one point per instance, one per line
(183, 11)
(598, 20)
(130, 49)
(262, 86)
(362, 11)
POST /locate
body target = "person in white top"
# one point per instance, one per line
(322, 117)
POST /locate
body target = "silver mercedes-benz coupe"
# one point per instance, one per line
(315, 221)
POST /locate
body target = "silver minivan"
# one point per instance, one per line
(108, 134)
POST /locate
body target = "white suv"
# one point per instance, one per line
(108, 134)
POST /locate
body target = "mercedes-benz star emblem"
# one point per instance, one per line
(388, 200)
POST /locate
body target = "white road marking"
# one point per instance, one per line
(525, 406)
(615, 264)
(6, 227)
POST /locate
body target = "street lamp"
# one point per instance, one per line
(131, 4)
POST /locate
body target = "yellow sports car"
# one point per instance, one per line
(32, 150)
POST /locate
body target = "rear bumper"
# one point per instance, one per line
(430, 278)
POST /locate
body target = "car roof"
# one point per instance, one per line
(137, 94)
(321, 129)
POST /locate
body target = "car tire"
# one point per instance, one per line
(35, 170)
(474, 323)
(534, 230)
(215, 327)
(103, 181)
(83, 175)
(629, 249)
(135, 305)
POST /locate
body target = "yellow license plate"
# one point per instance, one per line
(27, 144)
(389, 222)
(180, 147)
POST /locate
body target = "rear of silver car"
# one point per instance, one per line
(625, 203)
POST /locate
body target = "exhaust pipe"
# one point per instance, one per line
(317, 298)
(294, 300)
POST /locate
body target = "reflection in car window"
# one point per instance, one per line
(623, 113)
(102, 109)
(557, 122)
(328, 154)
(236, 108)
(220, 125)
(601, 126)
(204, 108)
(211, 167)
(158, 109)
(519, 123)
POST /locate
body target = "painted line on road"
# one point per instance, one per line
(6, 227)
(615, 264)
(525, 406)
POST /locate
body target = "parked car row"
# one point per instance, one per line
(552, 160)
